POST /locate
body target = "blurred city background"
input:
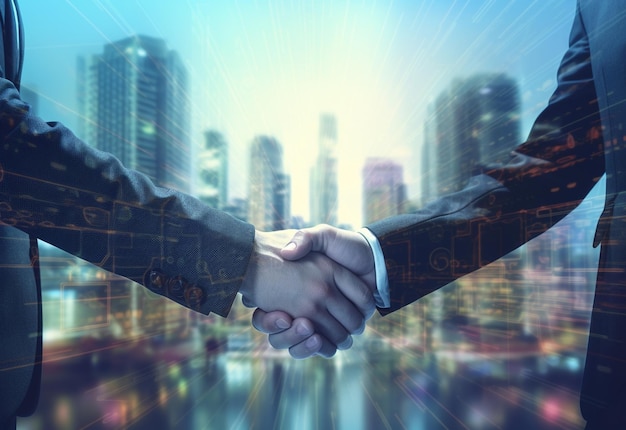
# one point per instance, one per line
(290, 114)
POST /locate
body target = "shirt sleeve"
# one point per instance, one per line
(381, 295)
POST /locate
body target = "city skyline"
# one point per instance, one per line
(271, 68)
(503, 348)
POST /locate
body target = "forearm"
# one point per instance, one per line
(463, 232)
(508, 204)
(84, 201)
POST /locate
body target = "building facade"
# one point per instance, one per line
(474, 122)
(137, 108)
(135, 103)
(324, 188)
(269, 198)
(384, 191)
(212, 188)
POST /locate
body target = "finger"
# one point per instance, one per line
(271, 322)
(347, 316)
(301, 329)
(339, 317)
(350, 309)
(246, 302)
(303, 342)
(314, 345)
(331, 327)
(347, 344)
(357, 292)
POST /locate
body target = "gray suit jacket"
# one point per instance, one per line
(56, 188)
(579, 136)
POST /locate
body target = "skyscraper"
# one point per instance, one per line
(135, 101)
(428, 159)
(384, 191)
(270, 195)
(213, 170)
(324, 194)
(475, 122)
(136, 105)
(488, 112)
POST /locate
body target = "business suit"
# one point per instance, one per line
(56, 188)
(578, 137)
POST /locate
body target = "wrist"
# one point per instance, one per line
(264, 257)
(247, 285)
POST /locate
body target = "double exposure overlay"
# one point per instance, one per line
(290, 114)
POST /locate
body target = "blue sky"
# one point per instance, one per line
(271, 67)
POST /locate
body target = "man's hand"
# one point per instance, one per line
(346, 248)
(335, 301)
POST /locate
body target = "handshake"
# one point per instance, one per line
(313, 288)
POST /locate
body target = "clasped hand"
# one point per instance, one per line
(313, 288)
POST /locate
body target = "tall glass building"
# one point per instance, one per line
(135, 104)
(475, 122)
(137, 107)
(213, 170)
(324, 188)
(384, 191)
(269, 186)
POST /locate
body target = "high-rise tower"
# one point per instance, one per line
(213, 170)
(269, 196)
(384, 191)
(475, 122)
(324, 194)
(137, 108)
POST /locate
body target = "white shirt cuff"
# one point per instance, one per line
(381, 295)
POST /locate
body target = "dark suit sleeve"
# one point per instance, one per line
(506, 205)
(66, 193)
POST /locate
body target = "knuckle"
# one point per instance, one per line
(300, 235)
(310, 307)
(324, 265)
(356, 326)
(320, 291)
(366, 299)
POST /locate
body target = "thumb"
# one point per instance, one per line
(299, 246)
